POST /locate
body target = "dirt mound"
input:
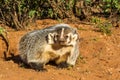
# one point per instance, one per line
(99, 57)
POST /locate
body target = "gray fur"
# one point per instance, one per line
(32, 47)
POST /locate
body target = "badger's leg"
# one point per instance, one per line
(38, 61)
(62, 60)
(37, 66)
(71, 60)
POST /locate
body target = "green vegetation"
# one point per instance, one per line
(19, 13)
(95, 20)
(2, 30)
(105, 28)
(111, 5)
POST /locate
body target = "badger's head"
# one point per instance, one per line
(63, 36)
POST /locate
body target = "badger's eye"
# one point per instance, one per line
(57, 36)
(66, 36)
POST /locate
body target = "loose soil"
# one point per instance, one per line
(99, 56)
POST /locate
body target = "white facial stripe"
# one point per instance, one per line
(62, 33)
(50, 38)
(69, 38)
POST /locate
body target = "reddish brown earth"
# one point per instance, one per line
(99, 57)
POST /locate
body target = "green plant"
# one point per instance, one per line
(2, 30)
(111, 5)
(95, 20)
(32, 13)
(60, 20)
(50, 13)
(105, 28)
(88, 2)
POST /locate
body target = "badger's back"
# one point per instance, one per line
(32, 42)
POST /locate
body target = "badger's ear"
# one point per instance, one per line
(50, 35)
(74, 37)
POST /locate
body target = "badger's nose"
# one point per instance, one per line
(62, 40)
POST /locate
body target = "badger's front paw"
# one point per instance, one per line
(37, 66)
(63, 65)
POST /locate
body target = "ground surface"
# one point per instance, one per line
(99, 59)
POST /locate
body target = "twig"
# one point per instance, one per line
(4, 36)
